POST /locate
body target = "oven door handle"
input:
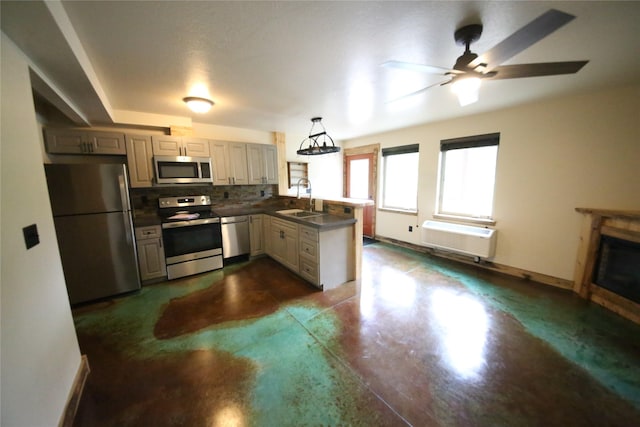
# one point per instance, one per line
(189, 223)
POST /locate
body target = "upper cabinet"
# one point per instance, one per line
(166, 145)
(229, 161)
(262, 160)
(73, 141)
(139, 160)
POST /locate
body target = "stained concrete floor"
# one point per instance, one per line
(419, 341)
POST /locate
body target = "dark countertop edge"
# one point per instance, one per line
(355, 203)
(336, 221)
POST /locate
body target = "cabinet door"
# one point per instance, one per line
(106, 143)
(167, 145)
(238, 163)
(195, 147)
(255, 164)
(256, 235)
(277, 248)
(284, 238)
(270, 154)
(291, 255)
(70, 141)
(139, 160)
(220, 162)
(151, 259)
(65, 141)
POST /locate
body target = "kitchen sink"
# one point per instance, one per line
(299, 213)
(306, 214)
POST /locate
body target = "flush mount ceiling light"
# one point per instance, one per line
(314, 145)
(197, 104)
(466, 89)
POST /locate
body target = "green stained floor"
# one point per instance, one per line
(418, 341)
(603, 343)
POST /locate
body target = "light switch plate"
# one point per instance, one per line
(318, 205)
(31, 237)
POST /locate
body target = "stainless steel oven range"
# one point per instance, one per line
(191, 234)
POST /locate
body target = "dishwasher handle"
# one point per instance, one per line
(234, 219)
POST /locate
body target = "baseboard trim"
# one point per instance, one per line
(487, 265)
(75, 393)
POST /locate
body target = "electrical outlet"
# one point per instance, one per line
(411, 228)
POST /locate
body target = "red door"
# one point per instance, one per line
(359, 185)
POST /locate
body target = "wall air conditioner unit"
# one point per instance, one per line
(465, 239)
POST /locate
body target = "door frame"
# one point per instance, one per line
(373, 149)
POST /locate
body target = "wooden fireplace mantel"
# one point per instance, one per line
(623, 224)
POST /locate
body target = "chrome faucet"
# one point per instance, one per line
(298, 185)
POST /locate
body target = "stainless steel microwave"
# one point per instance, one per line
(182, 170)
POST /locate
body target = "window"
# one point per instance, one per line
(467, 176)
(400, 186)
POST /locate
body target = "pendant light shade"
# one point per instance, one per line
(197, 104)
(317, 141)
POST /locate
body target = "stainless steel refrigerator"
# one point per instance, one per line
(92, 216)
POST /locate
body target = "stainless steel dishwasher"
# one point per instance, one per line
(235, 236)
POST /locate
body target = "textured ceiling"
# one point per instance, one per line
(274, 65)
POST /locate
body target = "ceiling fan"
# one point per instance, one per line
(470, 68)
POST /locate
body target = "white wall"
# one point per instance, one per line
(325, 171)
(227, 133)
(39, 349)
(554, 156)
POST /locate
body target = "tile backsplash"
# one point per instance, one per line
(145, 200)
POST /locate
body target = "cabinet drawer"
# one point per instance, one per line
(309, 233)
(152, 232)
(309, 249)
(289, 228)
(309, 270)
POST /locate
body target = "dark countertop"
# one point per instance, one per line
(321, 222)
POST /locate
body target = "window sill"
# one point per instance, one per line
(399, 211)
(467, 219)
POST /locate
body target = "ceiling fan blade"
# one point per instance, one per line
(526, 36)
(424, 89)
(536, 70)
(429, 69)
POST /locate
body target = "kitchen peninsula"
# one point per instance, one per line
(324, 246)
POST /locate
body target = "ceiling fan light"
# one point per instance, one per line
(197, 104)
(466, 90)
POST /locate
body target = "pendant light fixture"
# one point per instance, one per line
(316, 142)
(198, 104)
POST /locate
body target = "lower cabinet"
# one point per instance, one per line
(256, 235)
(151, 260)
(284, 243)
(326, 256)
(322, 257)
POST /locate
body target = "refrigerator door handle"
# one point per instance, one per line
(128, 227)
(124, 191)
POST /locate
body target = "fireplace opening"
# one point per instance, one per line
(618, 267)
